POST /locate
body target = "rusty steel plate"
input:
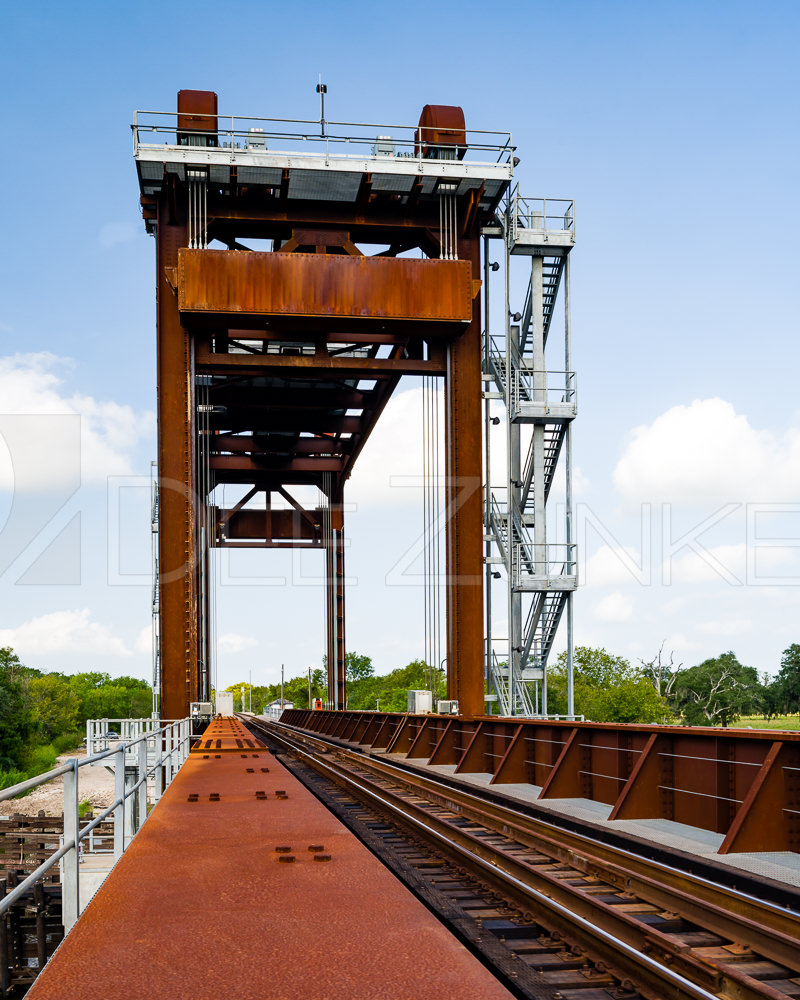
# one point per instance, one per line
(308, 284)
(227, 735)
(241, 884)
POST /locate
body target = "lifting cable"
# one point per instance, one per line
(431, 534)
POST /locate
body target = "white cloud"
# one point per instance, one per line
(388, 471)
(144, 640)
(609, 565)
(708, 454)
(730, 563)
(63, 632)
(233, 642)
(725, 626)
(614, 607)
(32, 385)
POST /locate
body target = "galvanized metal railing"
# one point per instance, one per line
(548, 388)
(313, 137)
(542, 214)
(551, 559)
(170, 746)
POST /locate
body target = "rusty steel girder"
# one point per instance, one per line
(741, 783)
(228, 282)
(298, 350)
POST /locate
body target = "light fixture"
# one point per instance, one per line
(495, 421)
(494, 266)
(516, 317)
(515, 161)
(495, 575)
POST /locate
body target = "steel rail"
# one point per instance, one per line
(632, 951)
(771, 930)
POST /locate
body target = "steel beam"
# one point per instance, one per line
(176, 479)
(464, 556)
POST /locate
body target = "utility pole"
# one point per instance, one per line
(309, 687)
(250, 699)
(281, 687)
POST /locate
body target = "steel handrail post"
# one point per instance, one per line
(158, 778)
(141, 774)
(119, 796)
(70, 903)
(129, 828)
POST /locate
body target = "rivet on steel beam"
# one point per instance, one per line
(286, 858)
(322, 857)
(265, 770)
(283, 850)
(316, 848)
(250, 770)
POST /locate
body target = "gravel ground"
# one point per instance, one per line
(94, 783)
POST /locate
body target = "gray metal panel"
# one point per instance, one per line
(258, 175)
(151, 171)
(469, 184)
(324, 185)
(399, 184)
(176, 168)
(219, 175)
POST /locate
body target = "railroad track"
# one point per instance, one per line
(555, 913)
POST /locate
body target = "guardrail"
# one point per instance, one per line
(545, 559)
(356, 140)
(543, 214)
(549, 388)
(170, 746)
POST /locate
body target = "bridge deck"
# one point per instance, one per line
(203, 903)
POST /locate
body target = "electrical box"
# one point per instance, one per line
(224, 702)
(447, 708)
(256, 139)
(383, 146)
(200, 710)
(420, 702)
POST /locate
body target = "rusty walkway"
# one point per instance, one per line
(241, 884)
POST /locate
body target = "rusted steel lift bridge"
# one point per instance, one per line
(565, 860)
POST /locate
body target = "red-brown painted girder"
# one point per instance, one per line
(201, 905)
(744, 784)
(228, 282)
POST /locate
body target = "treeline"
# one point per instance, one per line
(608, 688)
(716, 692)
(44, 714)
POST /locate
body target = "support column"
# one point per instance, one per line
(538, 442)
(334, 554)
(178, 599)
(463, 509)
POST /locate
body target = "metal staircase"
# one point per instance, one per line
(540, 405)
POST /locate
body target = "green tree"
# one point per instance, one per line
(55, 706)
(716, 692)
(788, 679)
(607, 689)
(17, 723)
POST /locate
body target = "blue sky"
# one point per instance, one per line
(674, 128)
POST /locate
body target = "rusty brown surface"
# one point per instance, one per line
(272, 284)
(197, 111)
(441, 125)
(741, 783)
(464, 513)
(203, 904)
(178, 595)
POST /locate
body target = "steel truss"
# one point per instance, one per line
(526, 541)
